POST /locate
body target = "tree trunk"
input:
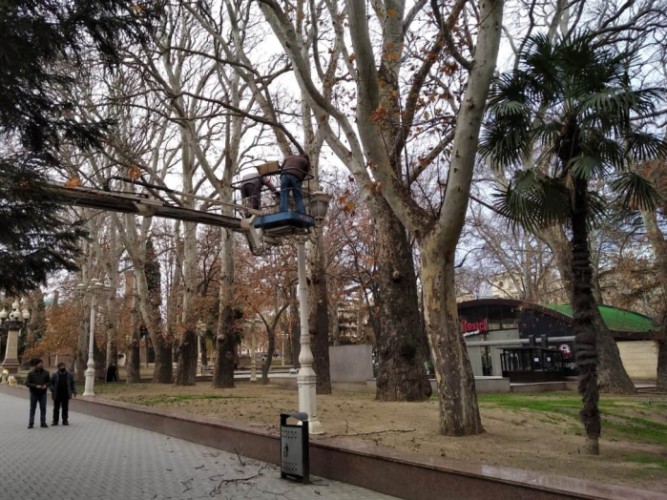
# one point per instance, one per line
(583, 305)
(459, 412)
(149, 282)
(661, 376)
(401, 374)
(319, 318)
(612, 376)
(223, 373)
(659, 246)
(164, 370)
(227, 332)
(203, 349)
(187, 359)
(81, 350)
(270, 349)
(133, 361)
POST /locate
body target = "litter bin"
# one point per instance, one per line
(294, 453)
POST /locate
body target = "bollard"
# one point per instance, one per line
(294, 451)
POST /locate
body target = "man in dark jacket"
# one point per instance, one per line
(292, 173)
(38, 382)
(62, 389)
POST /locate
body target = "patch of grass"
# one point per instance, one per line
(162, 399)
(623, 418)
(653, 460)
(636, 428)
(559, 403)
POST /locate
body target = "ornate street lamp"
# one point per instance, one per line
(306, 378)
(13, 322)
(319, 205)
(94, 288)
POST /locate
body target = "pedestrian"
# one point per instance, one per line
(251, 190)
(62, 389)
(294, 169)
(112, 373)
(38, 382)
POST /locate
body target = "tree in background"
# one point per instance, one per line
(567, 115)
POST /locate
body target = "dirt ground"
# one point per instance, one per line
(525, 439)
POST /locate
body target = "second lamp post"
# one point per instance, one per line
(93, 289)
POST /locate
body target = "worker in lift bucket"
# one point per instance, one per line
(251, 190)
(293, 171)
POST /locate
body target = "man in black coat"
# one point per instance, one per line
(38, 382)
(63, 389)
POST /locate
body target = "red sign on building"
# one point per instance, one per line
(474, 326)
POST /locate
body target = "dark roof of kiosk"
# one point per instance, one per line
(617, 320)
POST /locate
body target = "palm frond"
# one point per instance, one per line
(607, 152)
(642, 146)
(512, 109)
(546, 133)
(506, 87)
(635, 191)
(533, 201)
(570, 103)
(613, 107)
(504, 146)
(586, 166)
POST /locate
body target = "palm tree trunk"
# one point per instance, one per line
(612, 377)
(583, 304)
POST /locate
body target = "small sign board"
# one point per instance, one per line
(294, 453)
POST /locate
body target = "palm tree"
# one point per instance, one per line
(566, 116)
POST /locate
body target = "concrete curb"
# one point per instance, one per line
(385, 470)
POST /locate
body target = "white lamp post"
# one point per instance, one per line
(94, 287)
(13, 322)
(306, 378)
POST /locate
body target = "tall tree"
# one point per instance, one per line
(396, 128)
(567, 115)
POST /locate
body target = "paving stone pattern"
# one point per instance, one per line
(94, 458)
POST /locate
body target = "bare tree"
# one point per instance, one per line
(386, 117)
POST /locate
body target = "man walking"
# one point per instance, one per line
(38, 382)
(62, 389)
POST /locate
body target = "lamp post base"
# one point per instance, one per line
(11, 362)
(90, 383)
(11, 365)
(306, 383)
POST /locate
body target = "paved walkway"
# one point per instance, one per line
(98, 459)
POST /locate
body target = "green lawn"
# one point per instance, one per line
(638, 418)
